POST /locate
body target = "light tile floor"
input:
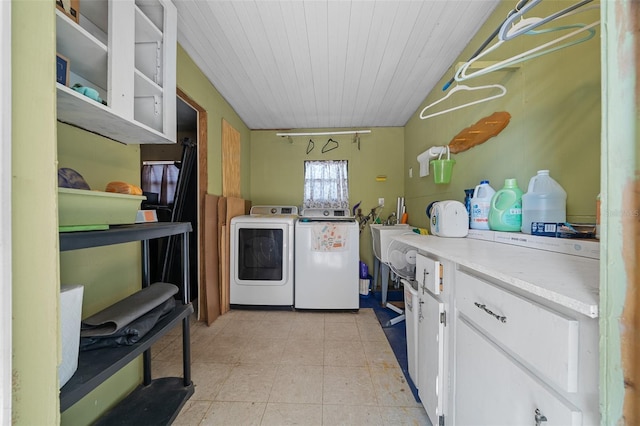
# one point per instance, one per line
(253, 367)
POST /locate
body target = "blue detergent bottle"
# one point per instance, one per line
(505, 213)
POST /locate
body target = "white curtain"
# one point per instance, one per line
(326, 184)
(162, 180)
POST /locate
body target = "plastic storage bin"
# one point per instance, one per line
(70, 319)
(82, 207)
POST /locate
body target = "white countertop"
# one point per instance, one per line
(570, 281)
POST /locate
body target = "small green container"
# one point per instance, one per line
(442, 170)
(505, 213)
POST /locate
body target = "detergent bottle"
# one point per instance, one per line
(505, 213)
(545, 201)
(480, 205)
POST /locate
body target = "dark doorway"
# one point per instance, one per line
(173, 193)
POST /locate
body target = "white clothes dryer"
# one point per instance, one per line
(327, 254)
(261, 256)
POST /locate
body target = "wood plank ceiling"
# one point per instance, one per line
(296, 64)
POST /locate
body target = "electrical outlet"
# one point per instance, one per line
(381, 201)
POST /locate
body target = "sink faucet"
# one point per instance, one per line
(392, 219)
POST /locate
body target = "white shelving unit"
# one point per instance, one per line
(126, 50)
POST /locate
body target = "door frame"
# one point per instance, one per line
(203, 180)
(619, 185)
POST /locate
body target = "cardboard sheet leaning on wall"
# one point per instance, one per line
(214, 291)
(210, 288)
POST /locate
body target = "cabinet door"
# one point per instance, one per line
(428, 274)
(493, 389)
(543, 338)
(431, 355)
(126, 50)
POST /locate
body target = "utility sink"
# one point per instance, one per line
(382, 235)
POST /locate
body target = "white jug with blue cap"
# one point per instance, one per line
(480, 205)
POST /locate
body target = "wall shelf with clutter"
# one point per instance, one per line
(121, 62)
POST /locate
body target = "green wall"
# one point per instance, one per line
(34, 216)
(196, 86)
(554, 103)
(108, 274)
(277, 169)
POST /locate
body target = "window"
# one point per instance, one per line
(326, 184)
(161, 179)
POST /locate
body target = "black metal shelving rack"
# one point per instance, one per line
(156, 401)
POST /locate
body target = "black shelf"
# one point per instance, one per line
(155, 404)
(94, 367)
(157, 401)
(118, 234)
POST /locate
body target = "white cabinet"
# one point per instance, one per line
(126, 51)
(505, 331)
(432, 337)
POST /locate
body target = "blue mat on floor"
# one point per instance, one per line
(396, 334)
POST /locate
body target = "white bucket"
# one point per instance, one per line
(70, 318)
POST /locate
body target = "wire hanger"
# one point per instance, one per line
(330, 145)
(461, 87)
(485, 43)
(535, 52)
(508, 30)
(310, 146)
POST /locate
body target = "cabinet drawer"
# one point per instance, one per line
(492, 389)
(542, 338)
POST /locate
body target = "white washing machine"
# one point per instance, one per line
(326, 256)
(261, 256)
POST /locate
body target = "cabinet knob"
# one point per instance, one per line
(539, 417)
